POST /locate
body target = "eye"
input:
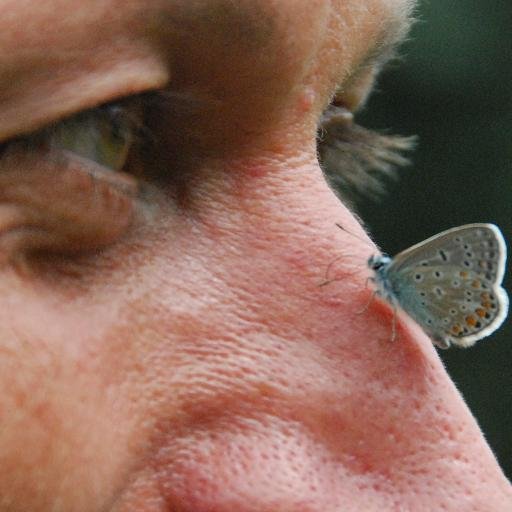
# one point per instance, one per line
(103, 135)
(64, 189)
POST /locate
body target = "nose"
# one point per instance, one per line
(276, 393)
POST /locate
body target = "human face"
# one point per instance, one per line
(164, 343)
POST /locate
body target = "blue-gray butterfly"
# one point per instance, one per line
(450, 284)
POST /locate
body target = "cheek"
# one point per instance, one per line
(60, 436)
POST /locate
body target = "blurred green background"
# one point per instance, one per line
(454, 90)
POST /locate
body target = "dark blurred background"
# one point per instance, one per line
(454, 90)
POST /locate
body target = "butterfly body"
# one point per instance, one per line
(450, 284)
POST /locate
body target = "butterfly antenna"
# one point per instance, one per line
(334, 279)
(326, 280)
(350, 233)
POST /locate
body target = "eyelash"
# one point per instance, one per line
(357, 162)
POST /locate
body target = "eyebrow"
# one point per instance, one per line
(390, 37)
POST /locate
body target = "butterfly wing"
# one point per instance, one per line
(450, 284)
(477, 247)
(452, 305)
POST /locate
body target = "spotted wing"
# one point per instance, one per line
(452, 305)
(450, 284)
(477, 247)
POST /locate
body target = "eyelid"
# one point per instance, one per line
(54, 199)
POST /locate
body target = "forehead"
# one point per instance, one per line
(61, 56)
(71, 52)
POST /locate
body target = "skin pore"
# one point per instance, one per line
(164, 343)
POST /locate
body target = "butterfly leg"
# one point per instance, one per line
(368, 303)
(327, 270)
(328, 280)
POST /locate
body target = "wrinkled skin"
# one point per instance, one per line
(193, 363)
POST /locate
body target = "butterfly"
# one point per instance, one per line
(450, 284)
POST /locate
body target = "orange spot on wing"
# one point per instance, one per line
(480, 312)
(456, 329)
(471, 320)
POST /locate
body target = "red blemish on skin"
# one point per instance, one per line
(306, 100)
